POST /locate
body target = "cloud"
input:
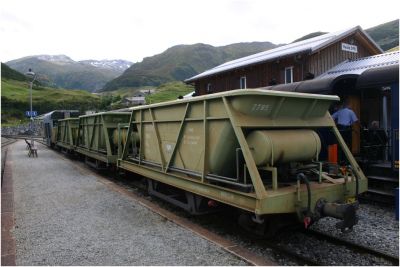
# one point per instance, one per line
(12, 23)
(134, 29)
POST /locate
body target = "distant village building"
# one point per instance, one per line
(134, 100)
(140, 94)
(138, 98)
(148, 91)
(290, 63)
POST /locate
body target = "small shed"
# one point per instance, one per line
(134, 100)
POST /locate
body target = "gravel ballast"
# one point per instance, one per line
(377, 228)
(65, 216)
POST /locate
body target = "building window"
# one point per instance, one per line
(209, 89)
(243, 82)
(289, 75)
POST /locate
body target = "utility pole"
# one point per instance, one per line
(32, 75)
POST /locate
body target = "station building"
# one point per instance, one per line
(290, 63)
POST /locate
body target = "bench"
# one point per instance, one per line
(32, 151)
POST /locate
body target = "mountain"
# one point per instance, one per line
(15, 92)
(308, 36)
(9, 73)
(181, 62)
(62, 71)
(15, 100)
(117, 65)
(386, 34)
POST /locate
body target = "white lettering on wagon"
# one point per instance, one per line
(261, 107)
(191, 139)
(169, 148)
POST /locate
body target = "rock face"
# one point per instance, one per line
(23, 129)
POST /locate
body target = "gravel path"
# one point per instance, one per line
(66, 217)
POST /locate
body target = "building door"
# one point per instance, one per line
(354, 103)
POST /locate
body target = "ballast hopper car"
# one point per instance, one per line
(253, 149)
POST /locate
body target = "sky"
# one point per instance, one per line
(134, 29)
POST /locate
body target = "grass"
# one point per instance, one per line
(15, 100)
(169, 91)
(127, 91)
(18, 90)
(165, 92)
(396, 48)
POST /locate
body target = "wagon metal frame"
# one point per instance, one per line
(95, 135)
(67, 133)
(244, 111)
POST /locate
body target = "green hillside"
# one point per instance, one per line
(386, 34)
(396, 48)
(308, 36)
(169, 91)
(15, 100)
(9, 73)
(181, 62)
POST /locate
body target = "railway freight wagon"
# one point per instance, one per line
(96, 137)
(49, 122)
(256, 150)
(67, 134)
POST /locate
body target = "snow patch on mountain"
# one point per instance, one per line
(117, 65)
(55, 58)
(114, 64)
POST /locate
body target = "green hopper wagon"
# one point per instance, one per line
(96, 136)
(253, 149)
(67, 133)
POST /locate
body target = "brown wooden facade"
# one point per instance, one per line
(303, 64)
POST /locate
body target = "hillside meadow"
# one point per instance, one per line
(169, 91)
(15, 100)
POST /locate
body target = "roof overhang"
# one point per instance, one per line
(311, 46)
(371, 44)
(203, 75)
(324, 86)
(382, 76)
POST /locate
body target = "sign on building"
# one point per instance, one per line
(349, 48)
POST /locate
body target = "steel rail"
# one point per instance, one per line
(355, 246)
(288, 252)
(8, 142)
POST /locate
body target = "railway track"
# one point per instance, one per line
(355, 246)
(287, 252)
(281, 250)
(6, 141)
(36, 138)
(278, 249)
(217, 231)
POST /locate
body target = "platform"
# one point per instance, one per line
(65, 215)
